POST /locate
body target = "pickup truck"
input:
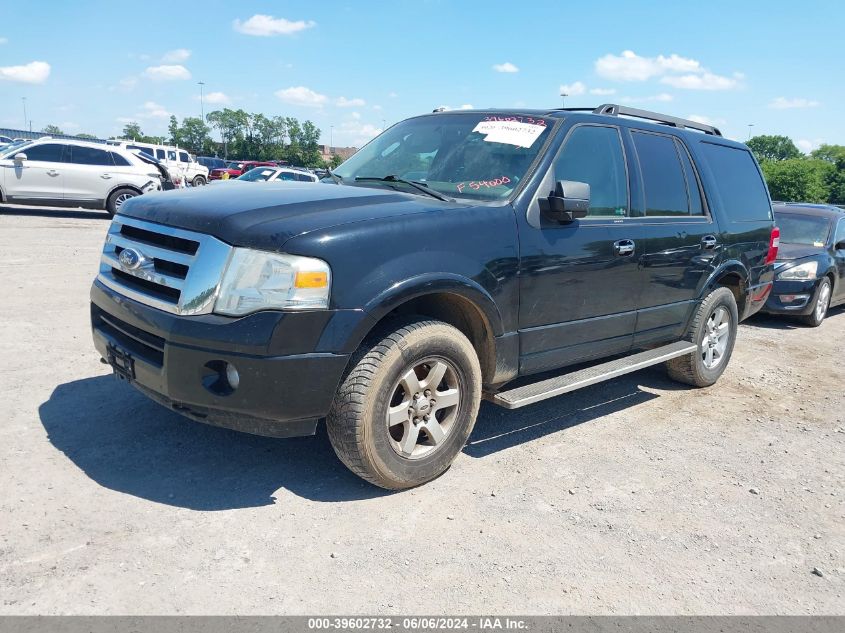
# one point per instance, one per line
(512, 255)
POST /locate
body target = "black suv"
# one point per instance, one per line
(455, 256)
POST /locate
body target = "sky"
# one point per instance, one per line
(354, 67)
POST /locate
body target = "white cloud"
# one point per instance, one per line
(704, 81)
(573, 90)
(152, 110)
(602, 92)
(31, 73)
(267, 26)
(673, 70)
(706, 120)
(176, 56)
(808, 146)
(69, 126)
(126, 84)
(392, 95)
(4, 40)
(782, 103)
(168, 72)
(343, 102)
(467, 106)
(217, 98)
(302, 96)
(663, 97)
(507, 67)
(377, 107)
(355, 133)
(356, 115)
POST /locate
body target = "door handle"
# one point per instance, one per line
(105, 176)
(52, 172)
(624, 248)
(708, 242)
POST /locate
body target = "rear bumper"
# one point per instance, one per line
(175, 361)
(792, 297)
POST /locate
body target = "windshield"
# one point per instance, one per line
(257, 175)
(802, 229)
(464, 155)
(233, 165)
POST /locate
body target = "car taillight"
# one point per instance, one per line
(774, 242)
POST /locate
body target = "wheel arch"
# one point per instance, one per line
(732, 275)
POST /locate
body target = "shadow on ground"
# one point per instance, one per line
(53, 212)
(787, 322)
(125, 442)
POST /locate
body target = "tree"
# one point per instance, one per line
(335, 162)
(86, 136)
(767, 147)
(52, 129)
(799, 179)
(132, 131)
(831, 153)
(192, 134)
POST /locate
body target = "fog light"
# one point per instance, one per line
(220, 378)
(232, 376)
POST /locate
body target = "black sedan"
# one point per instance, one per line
(810, 266)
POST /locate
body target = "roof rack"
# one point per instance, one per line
(612, 109)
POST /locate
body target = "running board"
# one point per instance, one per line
(551, 387)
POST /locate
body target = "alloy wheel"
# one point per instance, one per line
(716, 337)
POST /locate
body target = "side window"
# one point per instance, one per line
(183, 157)
(738, 182)
(160, 154)
(48, 152)
(286, 175)
(663, 177)
(840, 232)
(171, 155)
(696, 206)
(593, 154)
(303, 177)
(119, 161)
(89, 156)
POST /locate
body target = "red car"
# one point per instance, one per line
(237, 167)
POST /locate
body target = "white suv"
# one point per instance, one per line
(74, 173)
(179, 162)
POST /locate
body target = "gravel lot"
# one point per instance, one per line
(636, 496)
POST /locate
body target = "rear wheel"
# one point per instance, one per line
(117, 198)
(198, 181)
(408, 405)
(821, 305)
(713, 330)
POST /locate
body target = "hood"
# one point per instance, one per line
(266, 215)
(788, 252)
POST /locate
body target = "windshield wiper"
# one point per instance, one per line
(419, 186)
(337, 179)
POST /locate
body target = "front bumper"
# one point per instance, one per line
(286, 381)
(792, 297)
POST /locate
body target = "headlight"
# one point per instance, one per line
(802, 272)
(258, 280)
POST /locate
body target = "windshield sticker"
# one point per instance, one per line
(521, 119)
(475, 185)
(518, 133)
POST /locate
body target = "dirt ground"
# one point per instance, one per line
(635, 496)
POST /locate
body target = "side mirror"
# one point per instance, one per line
(569, 200)
(840, 246)
(20, 157)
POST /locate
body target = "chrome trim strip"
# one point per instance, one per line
(146, 272)
(152, 251)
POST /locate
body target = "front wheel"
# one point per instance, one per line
(198, 181)
(117, 198)
(821, 305)
(713, 330)
(406, 408)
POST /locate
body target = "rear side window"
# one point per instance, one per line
(593, 154)
(304, 177)
(662, 173)
(183, 157)
(48, 152)
(696, 206)
(738, 183)
(89, 156)
(160, 154)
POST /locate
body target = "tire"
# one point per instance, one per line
(703, 367)
(387, 374)
(821, 304)
(198, 181)
(117, 198)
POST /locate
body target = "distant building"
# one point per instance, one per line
(326, 152)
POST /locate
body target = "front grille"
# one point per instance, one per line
(171, 269)
(136, 341)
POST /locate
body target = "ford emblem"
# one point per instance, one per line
(130, 258)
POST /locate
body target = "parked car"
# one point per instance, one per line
(211, 163)
(179, 162)
(810, 268)
(271, 174)
(74, 173)
(237, 167)
(459, 252)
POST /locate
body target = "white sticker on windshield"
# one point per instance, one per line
(510, 132)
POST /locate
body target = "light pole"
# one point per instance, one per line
(563, 96)
(331, 139)
(202, 107)
(25, 118)
(750, 125)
